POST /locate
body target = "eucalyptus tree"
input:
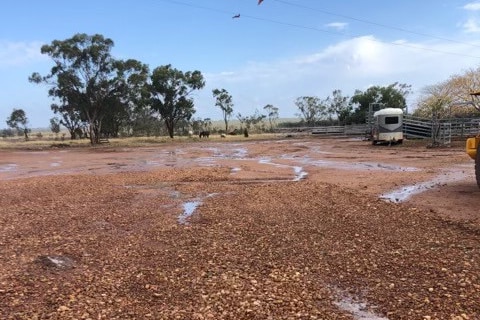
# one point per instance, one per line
(312, 109)
(55, 125)
(272, 115)
(70, 118)
(169, 93)
(339, 106)
(392, 96)
(88, 80)
(251, 120)
(224, 100)
(18, 120)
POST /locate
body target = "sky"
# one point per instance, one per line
(273, 53)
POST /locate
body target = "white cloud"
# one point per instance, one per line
(471, 26)
(472, 6)
(348, 65)
(337, 25)
(19, 53)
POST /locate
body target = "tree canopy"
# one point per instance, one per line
(450, 98)
(18, 120)
(391, 96)
(224, 100)
(272, 115)
(339, 106)
(88, 81)
(312, 109)
(169, 94)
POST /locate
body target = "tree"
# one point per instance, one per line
(168, 94)
(224, 101)
(87, 79)
(130, 98)
(199, 124)
(252, 120)
(70, 118)
(144, 122)
(272, 115)
(55, 125)
(392, 96)
(450, 98)
(18, 120)
(339, 106)
(312, 109)
(434, 101)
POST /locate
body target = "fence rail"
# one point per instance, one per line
(413, 127)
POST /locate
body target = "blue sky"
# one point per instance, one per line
(275, 52)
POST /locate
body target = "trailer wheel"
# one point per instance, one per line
(477, 166)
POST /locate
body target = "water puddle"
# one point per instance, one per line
(404, 193)
(58, 262)
(298, 171)
(8, 167)
(358, 310)
(235, 170)
(227, 153)
(189, 208)
(353, 165)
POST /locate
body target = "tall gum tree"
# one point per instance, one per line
(18, 120)
(312, 109)
(223, 100)
(86, 78)
(169, 94)
(272, 115)
(391, 96)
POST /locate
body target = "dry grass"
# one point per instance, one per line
(47, 142)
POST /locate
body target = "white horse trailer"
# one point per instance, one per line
(387, 126)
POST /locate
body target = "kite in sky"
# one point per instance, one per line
(260, 1)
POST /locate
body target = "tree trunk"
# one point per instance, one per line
(170, 127)
(93, 136)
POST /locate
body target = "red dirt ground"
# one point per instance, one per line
(287, 228)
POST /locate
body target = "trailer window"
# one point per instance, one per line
(391, 120)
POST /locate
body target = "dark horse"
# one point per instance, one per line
(204, 134)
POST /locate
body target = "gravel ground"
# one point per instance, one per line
(203, 243)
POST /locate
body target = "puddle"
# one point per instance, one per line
(358, 310)
(58, 262)
(355, 165)
(299, 172)
(404, 193)
(227, 153)
(235, 170)
(188, 210)
(8, 167)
